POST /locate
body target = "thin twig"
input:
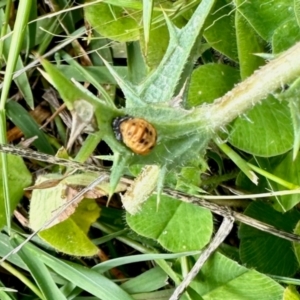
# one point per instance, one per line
(223, 211)
(28, 153)
(218, 239)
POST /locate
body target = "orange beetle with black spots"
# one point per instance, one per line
(136, 133)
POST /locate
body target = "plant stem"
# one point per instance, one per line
(282, 70)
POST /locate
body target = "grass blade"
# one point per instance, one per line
(17, 39)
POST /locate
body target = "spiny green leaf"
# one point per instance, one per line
(160, 86)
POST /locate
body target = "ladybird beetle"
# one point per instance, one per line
(136, 133)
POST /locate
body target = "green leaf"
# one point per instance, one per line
(291, 293)
(289, 170)
(157, 46)
(115, 23)
(23, 120)
(176, 225)
(76, 221)
(285, 36)
(266, 18)
(100, 45)
(248, 43)
(77, 244)
(296, 246)
(297, 11)
(158, 43)
(220, 32)
(137, 68)
(222, 278)
(147, 16)
(265, 130)
(19, 178)
(292, 97)
(189, 180)
(210, 82)
(264, 252)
